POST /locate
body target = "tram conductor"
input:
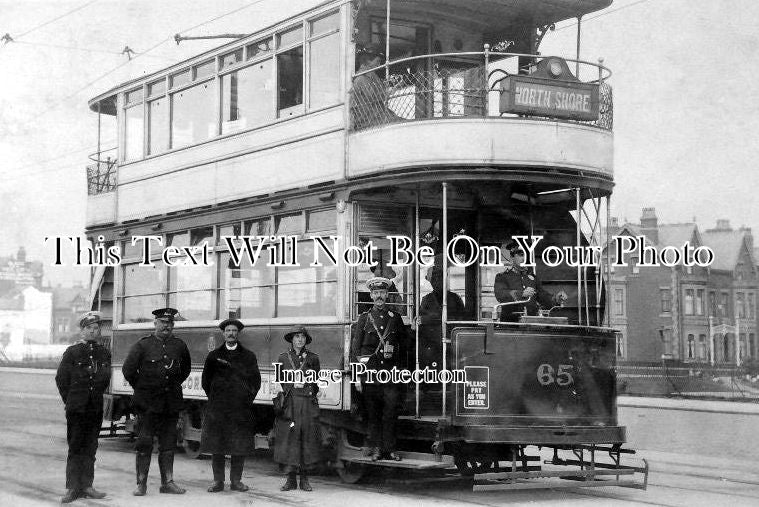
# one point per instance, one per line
(156, 367)
(376, 341)
(517, 283)
(82, 377)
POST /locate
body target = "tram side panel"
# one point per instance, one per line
(537, 378)
(265, 341)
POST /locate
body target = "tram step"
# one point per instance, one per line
(411, 460)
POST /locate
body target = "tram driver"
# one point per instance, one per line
(517, 283)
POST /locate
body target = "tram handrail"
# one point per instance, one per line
(530, 324)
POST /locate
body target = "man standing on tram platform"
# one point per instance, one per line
(377, 339)
(517, 283)
(156, 367)
(82, 377)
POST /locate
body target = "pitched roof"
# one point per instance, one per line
(677, 234)
(726, 245)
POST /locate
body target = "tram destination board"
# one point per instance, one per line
(557, 99)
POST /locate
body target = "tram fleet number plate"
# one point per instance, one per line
(574, 101)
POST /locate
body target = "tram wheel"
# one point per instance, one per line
(191, 448)
(351, 473)
(469, 467)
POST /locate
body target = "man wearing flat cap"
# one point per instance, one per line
(517, 283)
(156, 367)
(231, 381)
(370, 96)
(82, 378)
(376, 341)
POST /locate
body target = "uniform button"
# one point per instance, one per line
(167, 376)
(90, 357)
(165, 388)
(90, 389)
(165, 356)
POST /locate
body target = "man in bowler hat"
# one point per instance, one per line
(156, 367)
(82, 378)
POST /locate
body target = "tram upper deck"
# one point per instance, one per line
(462, 87)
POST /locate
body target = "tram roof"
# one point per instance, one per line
(482, 15)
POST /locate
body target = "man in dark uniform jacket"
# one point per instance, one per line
(83, 375)
(156, 367)
(517, 283)
(231, 381)
(377, 339)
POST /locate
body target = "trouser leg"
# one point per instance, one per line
(217, 465)
(235, 468)
(373, 398)
(75, 436)
(91, 431)
(389, 417)
(145, 427)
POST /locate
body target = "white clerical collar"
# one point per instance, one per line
(231, 347)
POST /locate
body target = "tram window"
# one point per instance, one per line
(193, 115)
(191, 290)
(177, 239)
(325, 24)
(137, 309)
(258, 227)
(142, 291)
(246, 291)
(247, 97)
(285, 225)
(130, 251)
(322, 220)
(290, 78)
(134, 132)
(181, 78)
(133, 97)
(231, 59)
(324, 71)
(258, 48)
(289, 37)
(157, 88)
(158, 125)
(306, 290)
(201, 235)
(228, 231)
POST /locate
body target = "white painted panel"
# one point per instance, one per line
(478, 141)
(101, 209)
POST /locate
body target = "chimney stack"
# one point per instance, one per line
(649, 224)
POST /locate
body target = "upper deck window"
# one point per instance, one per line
(231, 59)
(259, 48)
(193, 115)
(290, 37)
(205, 69)
(181, 78)
(324, 61)
(247, 96)
(157, 88)
(134, 130)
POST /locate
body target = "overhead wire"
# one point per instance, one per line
(50, 21)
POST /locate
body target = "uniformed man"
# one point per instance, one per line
(83, 375)
(518, 283)
(377, 339)
(156, 367)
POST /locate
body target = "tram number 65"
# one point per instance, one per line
(547, 375)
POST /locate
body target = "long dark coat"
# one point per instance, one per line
(229, 423)
(298, 441)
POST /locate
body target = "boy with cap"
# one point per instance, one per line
(156, 367)
(377, 338)
(82, 378)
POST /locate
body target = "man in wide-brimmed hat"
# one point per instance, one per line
(82, 377)
(156, 367)
(231, 380)
(377, 338)
(297, 435)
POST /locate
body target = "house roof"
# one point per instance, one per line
(726, 245)
(677, 234)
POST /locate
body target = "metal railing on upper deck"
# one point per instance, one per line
(101, 176)
(455, 85)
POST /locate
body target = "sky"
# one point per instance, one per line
(685, 102)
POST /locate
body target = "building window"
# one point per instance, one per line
(666, 335)
(702, 347)
(619, 302)
(691, 346)
(740, 306)
(751, 310)
(635, 266)
(724, 305)
(713, 303)
(689, 302)
(666, 300)
(621, 345)
(699, 301)
(751, 344)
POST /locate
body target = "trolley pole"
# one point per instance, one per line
(445, 289)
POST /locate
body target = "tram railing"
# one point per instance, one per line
(101, 176)
(456, 85)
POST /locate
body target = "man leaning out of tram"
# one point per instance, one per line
(377, 340)
(231, 380)
(518, 283)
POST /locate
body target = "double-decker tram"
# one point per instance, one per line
(464, 137)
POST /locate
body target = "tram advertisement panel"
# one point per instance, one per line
(535, 377)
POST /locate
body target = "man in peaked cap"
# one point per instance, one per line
(517, 283)
(156, 367)
(231, 380)
(82, 378)
(376, 340)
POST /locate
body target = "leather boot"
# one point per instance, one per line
(90, 492)
(235, 474)
(143, 466)
(70, 496)
(217, 465)
(166, 465)
(304, 485)
(291, 483)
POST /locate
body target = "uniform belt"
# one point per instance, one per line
(302, 391)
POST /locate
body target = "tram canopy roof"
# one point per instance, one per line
(484, 16)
